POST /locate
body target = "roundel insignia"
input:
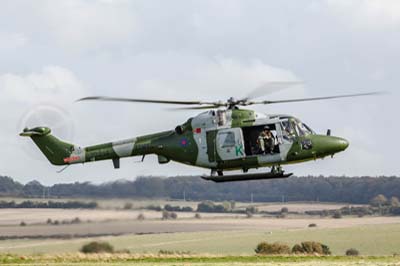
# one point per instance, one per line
(184, 142)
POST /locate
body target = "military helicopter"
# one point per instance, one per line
(223, 138)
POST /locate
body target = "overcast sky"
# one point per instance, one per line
(53, 52)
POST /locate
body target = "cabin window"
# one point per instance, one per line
(229, 139)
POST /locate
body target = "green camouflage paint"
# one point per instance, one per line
(192, 143)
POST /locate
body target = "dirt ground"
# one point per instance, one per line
(118, 222)
(106, 213)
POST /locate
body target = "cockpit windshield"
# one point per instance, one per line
(301, 128)
(292, 126)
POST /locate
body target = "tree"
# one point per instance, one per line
(379, 201)
(394, 202)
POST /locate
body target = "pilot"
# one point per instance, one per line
(266, 141)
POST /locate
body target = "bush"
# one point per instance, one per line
(76, 220)
(326, 250)
(141, 217)
(170, 208)
(337, 215)
(209, 206)
(187, 209)
(97, 247)
(227, 205)
(22, 223)
(173, 215)
(49, 221)
(352, 252)
(206, 206)
(251, 209)
(128, 206)
(297, 249)
(265, 248)
(312, 225)
(311, 247)
(166, 215)
(154, 208)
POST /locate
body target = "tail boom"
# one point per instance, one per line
(62, 153)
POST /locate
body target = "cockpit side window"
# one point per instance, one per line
(288, 130)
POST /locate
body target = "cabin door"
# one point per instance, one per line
(230, 144)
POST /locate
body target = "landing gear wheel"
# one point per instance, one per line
(277, 169)
(215, 172)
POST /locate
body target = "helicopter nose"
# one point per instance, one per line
(343, 144)
(331, 145)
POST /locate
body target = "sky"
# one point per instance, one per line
(54, 52)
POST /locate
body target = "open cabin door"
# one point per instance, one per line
(229, 144)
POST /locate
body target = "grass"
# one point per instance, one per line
(382, 240)
(127, 259)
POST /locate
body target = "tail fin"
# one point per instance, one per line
(55, 150)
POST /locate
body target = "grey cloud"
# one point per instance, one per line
(205, 50)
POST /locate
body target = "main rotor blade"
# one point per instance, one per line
(199, 107)
(116, 99)
(271, 87)
(316, 98)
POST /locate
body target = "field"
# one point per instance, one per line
(369, 240)
(215, 239)
(126, 259)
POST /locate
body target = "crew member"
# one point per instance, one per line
(266, 141)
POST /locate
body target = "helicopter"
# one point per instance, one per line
(223, 138)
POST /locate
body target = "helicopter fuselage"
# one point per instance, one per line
(219, 140)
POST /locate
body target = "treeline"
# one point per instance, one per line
(355, 190)
(49, 204)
